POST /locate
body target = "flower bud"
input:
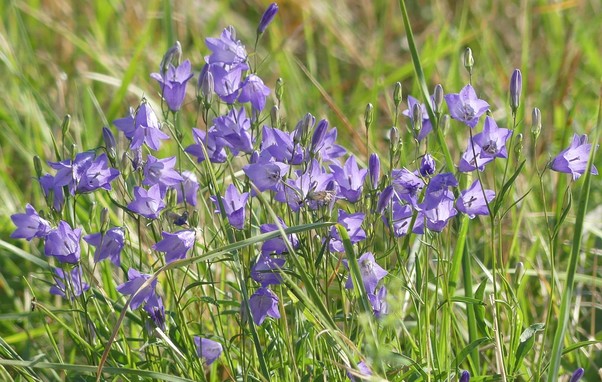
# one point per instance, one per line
(275, 116)
(438, 99)
(465, 376)
(536, 123)
(206, 85)
(65, 125)
(171, 57)
(516, 84)
(267, 17)
(577, 375)
(110, 144)
(368, 115)
(37, 165)
(427, 165)
(374, 170)
(319, 134)
(444, 123)
(468, 60)
(519, 271)
(279, 89)
(397, 94)
(104, 220)
(519, 144)
(393, 135)
(417, 118)
(384, 199)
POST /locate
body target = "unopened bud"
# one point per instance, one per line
(516, 84)
(536, 122)
(171, 57)
(519, 143)
(394, 135)
(465, 376)
(438, 99)
(368, 115)
(206, 85)
(110, 144)
(444, 123)
(104, 220)
(37, 165)
(384, 199)
(427, 165)
(65, 125)
(468, 60)
(319, 134)
(417, 117)
(267, 17)
(374, 170)
(279, 89)
(397, 94)
(577, 375)
(275, 116)
(519, 271)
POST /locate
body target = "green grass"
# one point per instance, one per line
(92, 61)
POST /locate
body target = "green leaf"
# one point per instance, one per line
(527, 340)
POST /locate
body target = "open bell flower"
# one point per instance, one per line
(173, 84)
(466, 106)
(208, 349)
(573, 160)
(29, 224)
(63, 243)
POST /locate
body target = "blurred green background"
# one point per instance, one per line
(92, 60)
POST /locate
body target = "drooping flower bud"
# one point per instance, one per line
(516, 84)
(577, 375)
(37, 165)
(267, 17)
(319, 134)
(171, 57)
(368, 115)
(417, 118)
(397, 94)
(438, 98)
(384, 199)
(468, 60)
(110, 144)
(374, 170)
(536, 123)
(275, 116)
(279, 89)
(427, 165)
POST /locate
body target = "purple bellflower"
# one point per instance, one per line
(465, 376)
(378, 300)
(86, 173)
(254, 91)
(51, 190)
(69, 283)
(577, 375)
(156, 311)
(353, 225)
(371, 273)
(281, 146)
(436, 215)
(226, 49)
(234, 206)
(213, 143)
(374, 170)
(401, 218)
(147, 203)
(427, 127)
(226, 79)
(263, 303)
(132, 286)
(473, 158)
(427, 165)
(143, 127)
(350, 179)
(266, 175)
(207, 349)
(267, 17)
(308, 189)
(438, 188)
(277, 244)
(573, 160)
(63, 243)
(161, 172)
(266, 269)
(175, 245)
(492, 141)
(362, 371)
(232, 131)
(108, 245)
(173, 84)
(188, 189)
(465, 106)
(29, 224)
(471, 201)
(407, 185)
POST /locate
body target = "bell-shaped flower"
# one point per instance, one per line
(266, 269)
(108, 245)
(426, 124)
(207, 349)
(254, 91)
(465, 106)
(147, 203)
(234, 204)
(173, 84)
(353, 225)
(133, 285)
(63, 243)
(188, 189)
(350, 179)
(370, 271)
(263, 303)
(161, 172)
(175, 245)
(29, 224)
(473, 201)
(492, 140)
(573, 160)
(69, 283)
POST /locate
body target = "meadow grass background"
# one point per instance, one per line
(92, 60)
